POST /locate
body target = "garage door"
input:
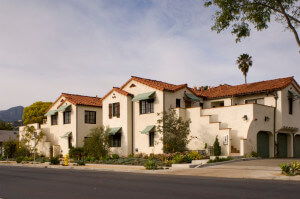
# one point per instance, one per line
(263, 144)
(282, 145)
(297, 146)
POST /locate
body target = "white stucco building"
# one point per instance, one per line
(263, 117)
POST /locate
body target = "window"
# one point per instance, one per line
(147, 106)
(115, 140)
(177, 103)
(67, 117)
(54, 119)
(70, 142)
(114, 110)
(255, 101)
(290, 106)
(251, 101)
(201, 104)
(151, 139)
(90, 117)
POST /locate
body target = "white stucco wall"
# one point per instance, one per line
(123, 121)
(141, 121)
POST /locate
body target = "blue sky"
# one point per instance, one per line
(88, 46)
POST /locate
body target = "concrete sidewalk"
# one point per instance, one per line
(253, 169)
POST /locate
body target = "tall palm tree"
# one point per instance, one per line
(244, 61)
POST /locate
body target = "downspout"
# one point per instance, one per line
(275, 110)
(132, 129)
(76, 128)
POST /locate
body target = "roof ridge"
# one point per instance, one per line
(81, 95)
(266, 81)
(159, 81)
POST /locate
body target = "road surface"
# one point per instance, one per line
(31, 183)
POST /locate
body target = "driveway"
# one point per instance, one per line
(252, 169)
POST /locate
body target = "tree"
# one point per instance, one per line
(217, 147)
(5, 126)
(175, 131)
(10, 147)
(238, 14)
(97, 143)
(244, 61)
(35, 112)
(31, 138)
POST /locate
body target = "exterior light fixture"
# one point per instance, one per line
(245, 117)
(267, 118)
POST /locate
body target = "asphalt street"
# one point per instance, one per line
(31, 183)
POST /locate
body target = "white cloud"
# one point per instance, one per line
(86, 47)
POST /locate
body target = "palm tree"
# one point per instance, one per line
(244, 61)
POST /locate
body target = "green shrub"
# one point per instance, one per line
(54, 161)
(10, 147)
(19, 159)
(26, 158)
(295, 167)
(76, 153)
(285, 168)
(195, 155)
(187, 159)
(80, 163)
(2, 158)
(22, 151)
(115, 156)
(97, 143)
(217, 147)
(218, 159)
(178, 158)
(90, 159)
(42, 160)
(151, 165)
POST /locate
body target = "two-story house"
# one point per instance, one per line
(244, 117)
(68, 121)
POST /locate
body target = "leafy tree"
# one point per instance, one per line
(217, 147)
(238, 14)
(35, 112)
(97, 143)
(10, 147)
(31, 139)
(244, 61)
(175, 131)
(5, 126)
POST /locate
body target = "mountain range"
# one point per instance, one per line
(12, 114)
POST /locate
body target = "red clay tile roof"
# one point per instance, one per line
(245, 89)
(83, 100)
(159, 85)
(117, 90)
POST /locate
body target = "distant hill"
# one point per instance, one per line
(12, 114)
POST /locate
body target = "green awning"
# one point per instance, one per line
(192, 97)
(113, 131)
(66, 135)
(144, 96)
(148, 129)
(64, 108)
(293, 94)
(52, 112)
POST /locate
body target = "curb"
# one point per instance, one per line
(224, 162)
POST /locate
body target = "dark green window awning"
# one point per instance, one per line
(148, 129)
(293, 94)
(52, 112)
(64, 108)
(192, 97)
(113, 131)
(144, 96)
(66, 135)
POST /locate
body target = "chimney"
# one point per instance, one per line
(195, 88)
